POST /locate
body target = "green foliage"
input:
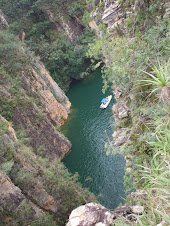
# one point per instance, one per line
(166, 217)
(127, 58)
(46, 220)
(7, 166)
(64, 59)
(102, 27)
(23, 177)
(86, 18)
(40, 28)
(156, 173)
(159, 81)
(12, 56)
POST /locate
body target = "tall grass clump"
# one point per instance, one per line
(156, 175)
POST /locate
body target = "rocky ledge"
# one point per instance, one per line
(93, 214)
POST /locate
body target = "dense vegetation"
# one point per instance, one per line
(138, 62)
(54, 31)
(65, 57)
(52, 176)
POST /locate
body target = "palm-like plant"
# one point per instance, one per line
(160, 81)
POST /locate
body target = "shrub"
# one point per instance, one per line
(7, 166)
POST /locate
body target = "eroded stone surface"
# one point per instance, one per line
(52, 85)
(11, 133)
(112, 13)
(90, 214)
(93, 214)
(72, 27)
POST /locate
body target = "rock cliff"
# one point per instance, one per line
(39, 120)
(44, 104)
(35, 187)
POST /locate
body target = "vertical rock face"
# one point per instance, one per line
(50, 83)
(55, 106)
(112, 13)
(53, 99)
(38, 106)
(34, 187)
(72, 27)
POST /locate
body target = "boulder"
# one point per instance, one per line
(91, 214)
(123, 210)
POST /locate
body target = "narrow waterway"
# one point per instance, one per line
(86, 126)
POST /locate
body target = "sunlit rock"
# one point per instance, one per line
(91, 214)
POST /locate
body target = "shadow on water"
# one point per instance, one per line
(86, 126)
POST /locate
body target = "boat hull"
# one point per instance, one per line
(105, 104)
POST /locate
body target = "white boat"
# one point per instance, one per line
(105, 102)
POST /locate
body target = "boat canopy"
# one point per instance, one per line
(103, 100)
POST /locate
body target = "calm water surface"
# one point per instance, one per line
(86, 126)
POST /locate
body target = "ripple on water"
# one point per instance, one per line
(85, 129)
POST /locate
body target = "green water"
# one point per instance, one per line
(86, 126)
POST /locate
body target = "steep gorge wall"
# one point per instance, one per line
(44, 104)
(34, 184)
(32, 188)
(44, 107)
